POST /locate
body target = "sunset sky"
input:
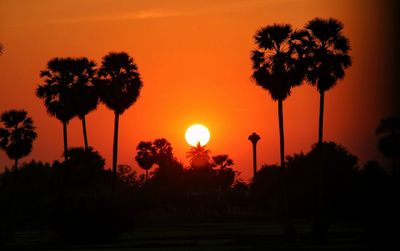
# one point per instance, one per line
(194, 59)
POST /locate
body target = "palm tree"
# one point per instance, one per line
(17, 134)
(145, 156)
(389, 141)
(199, 156)
(277, 69)
(119, 84)
(56, 92)
(84, 93)
(329, 53)
(222, 161)
(328, 56)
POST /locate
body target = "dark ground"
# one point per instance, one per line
(204, 236)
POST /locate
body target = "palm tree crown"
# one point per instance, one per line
(199, 156)
(276, 63)
(84, 93)
(329, 52)
(56, 89)
(119, 81)
(17, 134)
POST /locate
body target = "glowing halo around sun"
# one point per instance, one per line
(197, 134)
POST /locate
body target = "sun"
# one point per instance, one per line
(197, 134)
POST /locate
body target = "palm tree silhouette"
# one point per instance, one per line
(389, 140)
(199, 156)
(119, 86)
(84, 92)
(56, 92)
(222, 161)
(328, 58)
(277, 69)
(328, 50)
(145, 156)
(17, 134)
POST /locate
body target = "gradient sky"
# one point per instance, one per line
(194, 58)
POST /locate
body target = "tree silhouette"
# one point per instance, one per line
(329, 53)
(17, 134)
(277, 68)
(162, 151)
(56, 92)
(389, 139)
(145, 156)
(199, 156)
(225, 174)
(1, 48)
(119, 86)
(158, 152)
(222, 161)
(83, 91)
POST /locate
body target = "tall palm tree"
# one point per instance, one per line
(56, 92)
(277, 69)
(17, 134)
(119, 84)
(389, 140)
(84, 92)
(199, 156)
(145, 156)
(329, 53)
(328, 58)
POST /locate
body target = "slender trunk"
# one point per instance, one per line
(147, 175)
(321, 117)
(287, 222)
(115, 151)
(254, 160)
(65, 140)
(85, 133)
(320, 225)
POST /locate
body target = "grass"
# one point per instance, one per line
(202, 236)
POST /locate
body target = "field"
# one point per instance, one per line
(203, 236)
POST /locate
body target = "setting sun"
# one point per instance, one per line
(197, 134)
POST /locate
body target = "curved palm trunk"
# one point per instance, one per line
(65, 140)
(287, 221)
(84, 133)
(115, 151)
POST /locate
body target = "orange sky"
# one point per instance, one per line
(194, 58)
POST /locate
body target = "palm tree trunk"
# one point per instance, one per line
(321, 116)
(115, 151)
(65, 140)
(320, 226)
(85, 133)
(287, 222)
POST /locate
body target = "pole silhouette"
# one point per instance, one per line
(254, 138)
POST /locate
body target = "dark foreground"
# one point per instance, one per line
(204, 236)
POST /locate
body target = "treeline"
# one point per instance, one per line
(73, 197)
